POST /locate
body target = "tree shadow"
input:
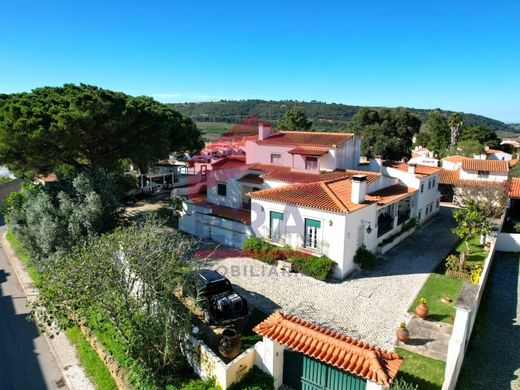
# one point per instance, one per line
(20, 368)
(493, 356)
(418, 341)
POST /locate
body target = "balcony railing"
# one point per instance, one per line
(295, 241)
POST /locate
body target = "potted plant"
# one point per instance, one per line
(402, 333)
(422, 309)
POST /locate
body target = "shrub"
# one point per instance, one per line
(200, 384)
(409, 225)
(272, 256)
(452, 263)
(517, 227)
(401, 384)
(254, 379)
(364, 258)
(253, 244)
(317, 267)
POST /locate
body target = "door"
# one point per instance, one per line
(312, 233)
(276, 226)
(303, 373)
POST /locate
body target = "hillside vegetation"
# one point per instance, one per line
(325, 116)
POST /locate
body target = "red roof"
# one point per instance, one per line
(332, 348)
(309, 151)
(306, 138)
(449, 177)
(485, 165)
(286, 175)
(231, 161)
(455, 158)
(420, 170)
(331, 195)
(514, 188)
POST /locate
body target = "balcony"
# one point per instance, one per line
(296, 241)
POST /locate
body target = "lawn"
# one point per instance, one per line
(425, 372)
(90, 361)
(477, 253)
(436, 287)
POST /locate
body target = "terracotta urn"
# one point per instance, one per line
(229, 344)
(402, 333)
(422, 310)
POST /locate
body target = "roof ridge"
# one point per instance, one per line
(334, 197)
(314, 132)
(329, 336)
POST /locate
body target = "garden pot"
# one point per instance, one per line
(422, 310)
(229, 344)
(402, 334)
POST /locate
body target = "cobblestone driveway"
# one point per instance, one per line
(368, 306)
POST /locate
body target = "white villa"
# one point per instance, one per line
(307, 190)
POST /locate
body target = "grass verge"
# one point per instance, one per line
(436, 287)
(425, 372)
(90, 361)
(21, 253)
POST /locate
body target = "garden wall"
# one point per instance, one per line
(508, 242)
(466, 308)
(207, 364)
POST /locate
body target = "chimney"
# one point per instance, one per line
(359, 188)
(264, 130)
(411, 168)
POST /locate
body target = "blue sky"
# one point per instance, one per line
(458, 55)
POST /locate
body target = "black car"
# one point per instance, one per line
(221, 304)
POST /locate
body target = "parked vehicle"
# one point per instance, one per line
(221, 304)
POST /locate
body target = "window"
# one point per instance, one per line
(419, 215)
(422, 187)
(222, 189)
(433, 183)
(429, 184)
(483, 174)
(276, 159)
(312, 233)
(438, 203)
(311, 163)
(275, 225)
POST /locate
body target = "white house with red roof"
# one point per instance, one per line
(305, 190)
(497, 154)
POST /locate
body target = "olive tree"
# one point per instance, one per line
(125, 281)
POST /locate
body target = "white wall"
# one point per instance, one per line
(451, 166)
(341, 234)
(233, 196)
(508, 242)
(473, 175)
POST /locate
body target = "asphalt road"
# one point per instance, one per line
(26, 361)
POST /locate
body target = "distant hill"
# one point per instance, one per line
(325, 116)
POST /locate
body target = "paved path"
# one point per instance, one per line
(26, 361)
(368, 306)
(428, 338)
(493, 357)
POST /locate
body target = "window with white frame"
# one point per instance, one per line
(222, 189)
(275, 225)
(312, 233)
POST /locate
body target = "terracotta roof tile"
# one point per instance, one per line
(331, 195)
(493, 151)
(251, 178)
(306, 138)
(449, 176)
(514, 188)
(332, 348)
(513, 162)
(285, 174)
(420, 170)
(485, 165)
(309, 150)
(455, 158)
(390, 194)
(227, 162)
